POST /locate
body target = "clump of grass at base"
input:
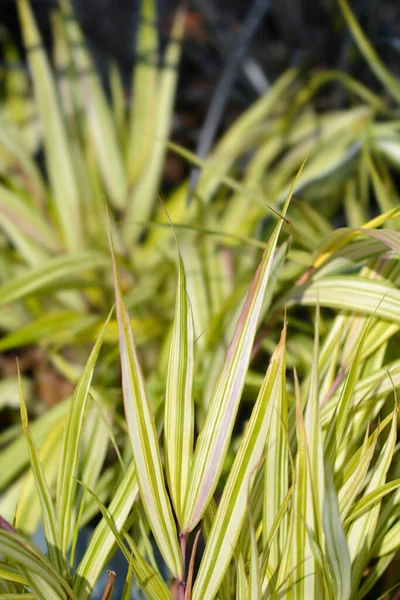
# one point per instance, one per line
(301, 502)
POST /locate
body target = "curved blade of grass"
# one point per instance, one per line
(58, 152)
(241, 134)
(9, 573)
(337, 551)
(50, 524)
(342, 236)
(47, 328)
(53, 272)
(390, 542)
(143, 436)
(354, 474)
(372, 58)
(98, 112)
(40, 575)
(232, 508)
(369, 500)
(179, 408)
(353, 293)
(213, 441)
(69, 455)
(28, 512)
(15, 456)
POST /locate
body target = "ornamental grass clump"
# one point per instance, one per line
(309, 507)
(256, 449)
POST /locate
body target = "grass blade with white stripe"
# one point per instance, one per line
(213, 441)
(143, 435)
(179, 408)
(69, 456)
(232, 508)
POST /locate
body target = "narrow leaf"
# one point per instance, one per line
(213, 441)
(179, 408)
(50, 524)
(143, 435)
(69, 456)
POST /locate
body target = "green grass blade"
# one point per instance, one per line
(369, 500)
(213, 441)
(179, 406)
(354, 474)
(49, 328)
(376, 64)
(311, 585)
(143, 435)
(300, 552)
(361, 532)
(232, 508)
(276, 477)
(354, 293)
(255, 592)
(55, 272)
(58, 152)
(9, 573)
(241, 579)
(69, 456)
(28, 512)
(50, 524)
(14, 457)
(339, 421)
(337, 551)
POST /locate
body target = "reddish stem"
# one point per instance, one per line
(181, 584)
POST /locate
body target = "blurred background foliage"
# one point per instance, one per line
(108, 110)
